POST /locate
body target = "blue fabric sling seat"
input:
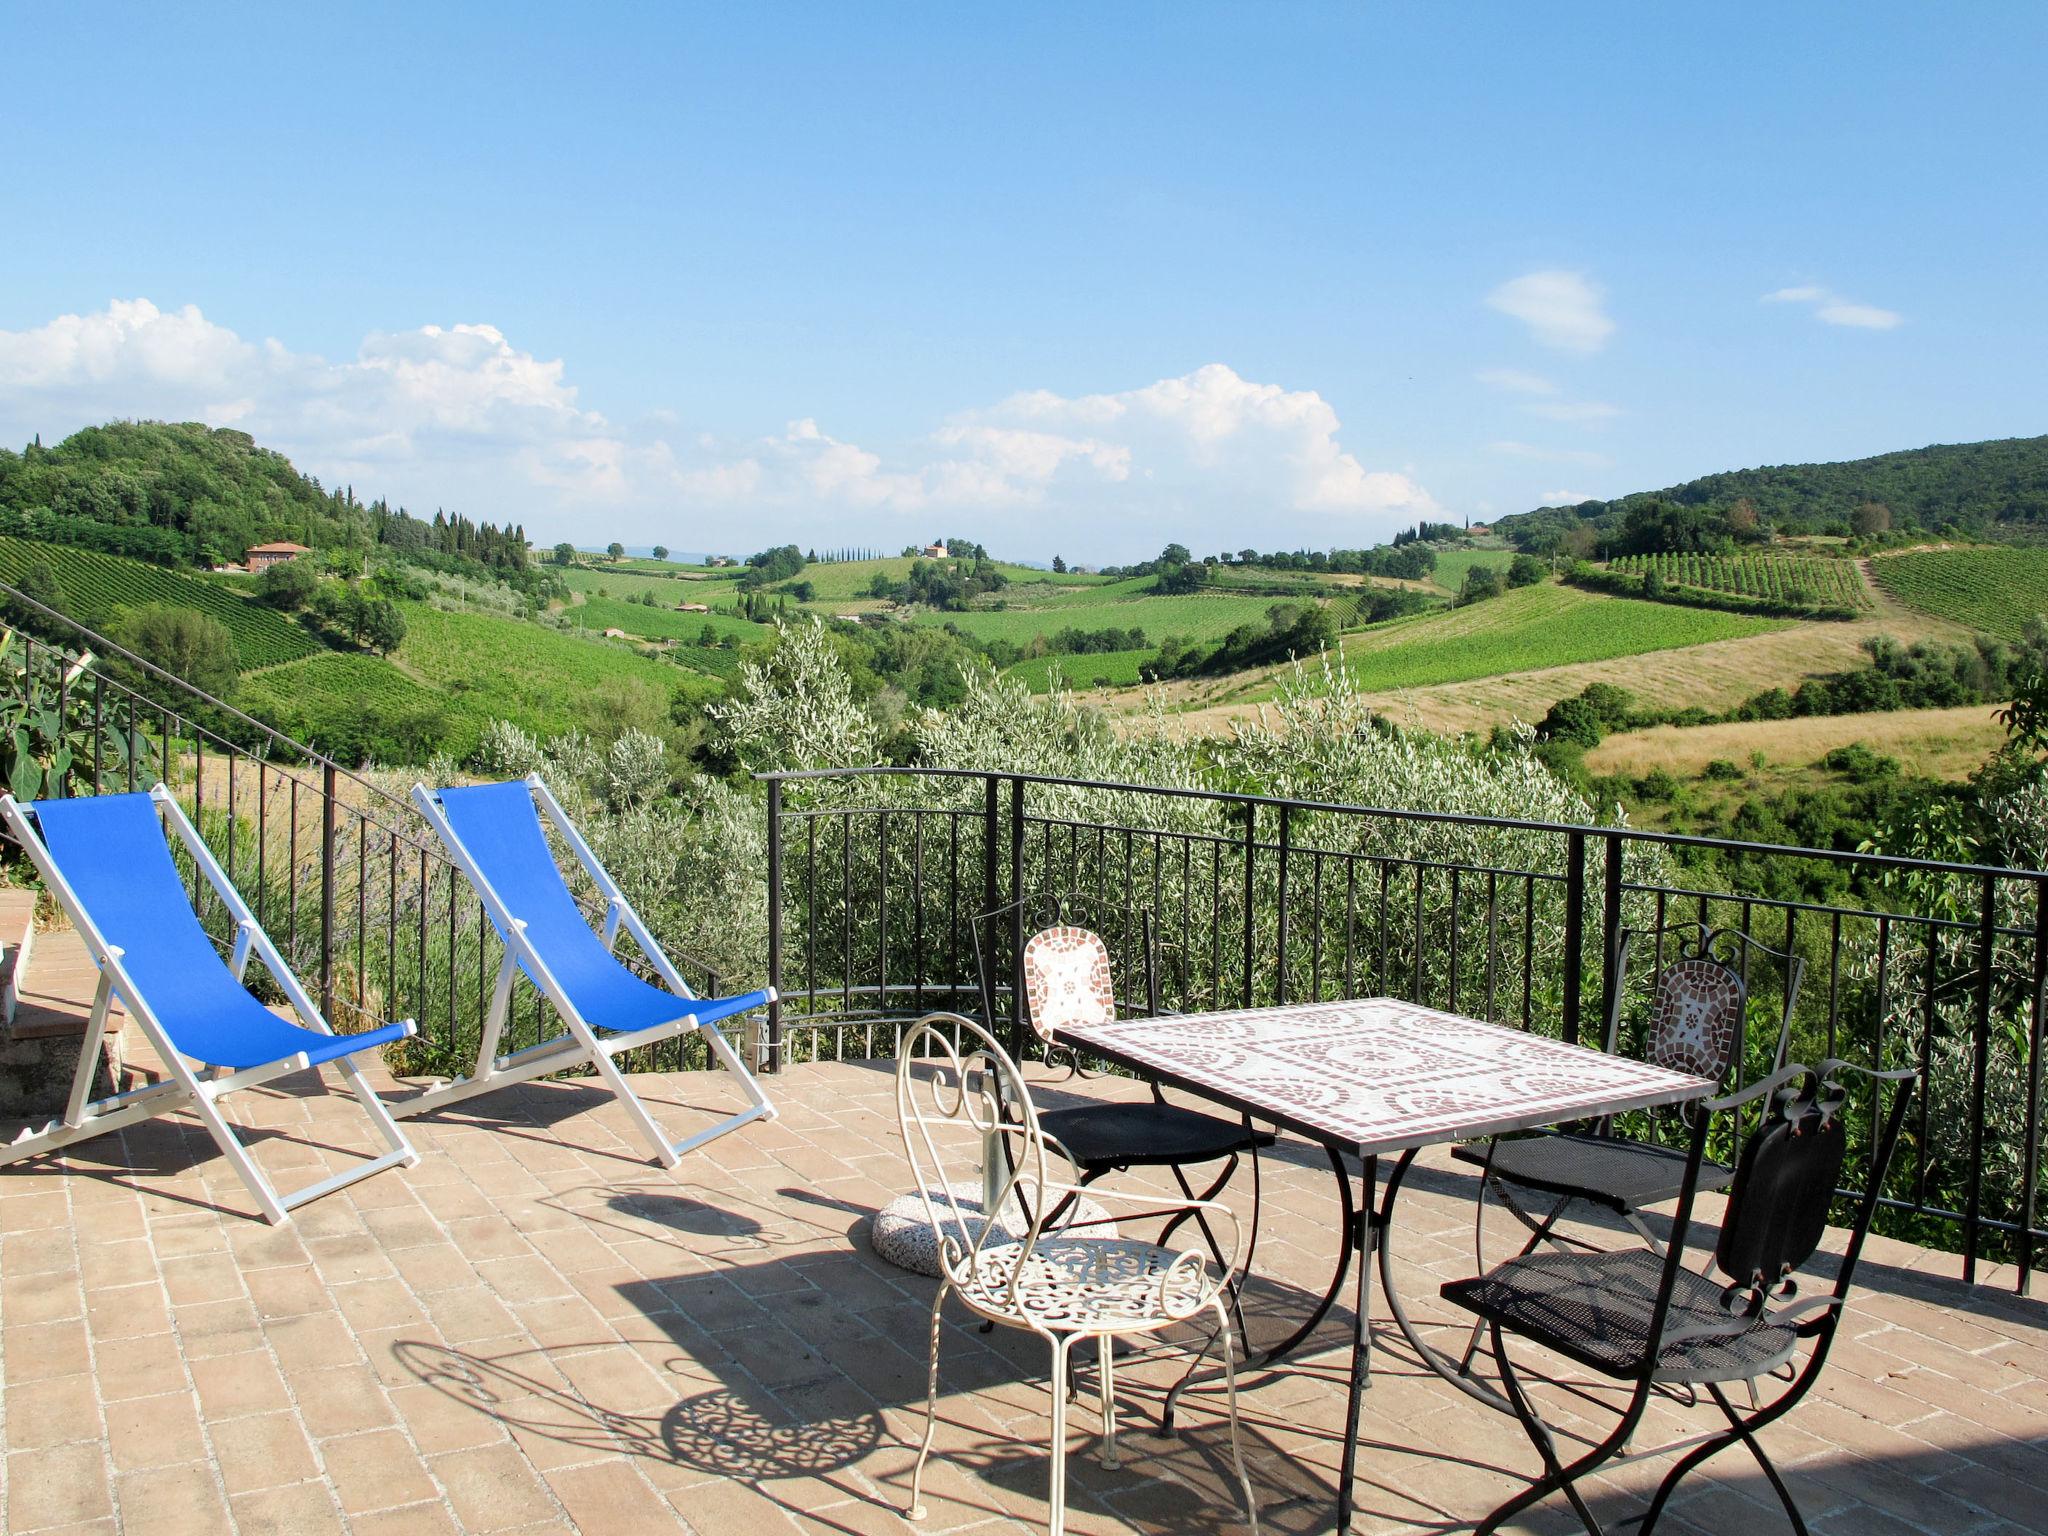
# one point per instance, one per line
(500, 828)
(112, 852)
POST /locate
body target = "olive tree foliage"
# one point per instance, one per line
(1923, 981)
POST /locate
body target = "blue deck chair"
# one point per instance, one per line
(494, 834)
(106, 860)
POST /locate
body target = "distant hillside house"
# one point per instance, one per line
(615, 634)
(693, 607)
(263, 556)
(935, 551)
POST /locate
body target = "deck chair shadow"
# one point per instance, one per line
(495, 836)
(106, 860)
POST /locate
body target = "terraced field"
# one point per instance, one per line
(97, 588)
(1993, 590)
(1767, 578)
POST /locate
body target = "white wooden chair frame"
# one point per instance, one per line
(580, 1044)
(86, 1117)
(956, 1059)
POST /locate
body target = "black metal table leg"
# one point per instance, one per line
(1362, 1235)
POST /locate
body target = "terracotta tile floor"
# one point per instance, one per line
(538, 1330)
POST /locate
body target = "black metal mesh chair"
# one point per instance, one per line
(1063, 975)
(1698, 1023)
(1642, 1317)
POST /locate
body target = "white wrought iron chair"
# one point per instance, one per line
(975, 1145)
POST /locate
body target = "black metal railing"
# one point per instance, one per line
(338, 868)
(876, 876)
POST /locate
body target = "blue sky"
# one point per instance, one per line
(1076, 280)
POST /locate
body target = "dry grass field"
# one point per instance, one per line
(1936, 743)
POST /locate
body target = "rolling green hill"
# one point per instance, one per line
(1964, 486)
(1528, 629)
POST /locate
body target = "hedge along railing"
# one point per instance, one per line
(338, 870)
(875, 878)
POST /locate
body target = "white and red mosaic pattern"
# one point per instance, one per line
(1379, 1075)
(1067, 981)
(1699, 1007)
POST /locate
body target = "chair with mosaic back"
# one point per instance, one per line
(1707, 982)
(1064, 977)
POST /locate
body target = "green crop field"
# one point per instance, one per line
(96, 588)
(670, 590)
(544, 680)
(1776, 578)
(1995, 590)
(1528, 629)
(1114, 669)
(1195, 617)
(1453, 565)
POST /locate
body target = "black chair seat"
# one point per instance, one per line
(1612, 1171)
(1103, 1136)
(1595, 1309)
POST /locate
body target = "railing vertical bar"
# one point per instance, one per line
(1980, 1070)
(1452, 967)
(846, 911)
(774, 1061)
(1315, 964)
(1251, 823)
(327, 793)
(1280, 909)
(1834, 983)
(1350, 924)
(1528, 951)
(1610, 923)
(917, 966)
(882, 912)
(991, 857)
(1574, 930)
(2030, 1151)
(1929, 983)
(1492, 941)
(1017, 916)
(1415, 983)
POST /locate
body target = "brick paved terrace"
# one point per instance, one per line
(537, 1330)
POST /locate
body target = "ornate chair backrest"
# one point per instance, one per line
(1067, 981)
(1706, 986)
(1696, 1023)
(973, 1140)
(1064, 972)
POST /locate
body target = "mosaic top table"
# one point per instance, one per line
(1376, 1077)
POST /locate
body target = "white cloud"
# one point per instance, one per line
(1519, 450)
(1830, 308)
(1564, 498)
(1562, 309)
(458, 416)
(1582, 412)
(1514, 381)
